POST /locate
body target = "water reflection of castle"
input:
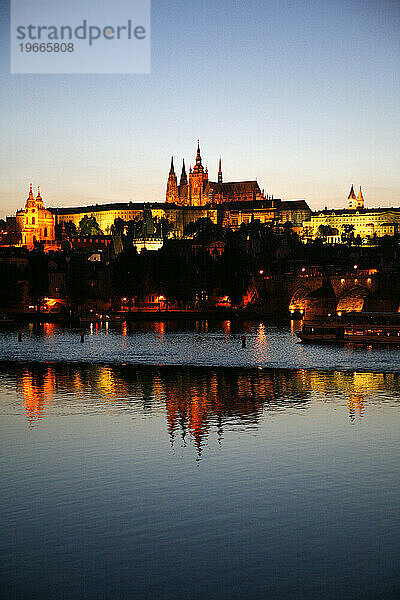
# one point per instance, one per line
(195, 402)
(38, 388)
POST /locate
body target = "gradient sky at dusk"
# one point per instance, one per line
(302, 95)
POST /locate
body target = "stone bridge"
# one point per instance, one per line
(288, 292)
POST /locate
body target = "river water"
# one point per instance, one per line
(198, 343)
(127, 476)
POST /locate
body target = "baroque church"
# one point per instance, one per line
(198, 190)
(35, 223)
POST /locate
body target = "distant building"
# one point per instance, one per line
(272, 211)
(368, 223)
(294, 211)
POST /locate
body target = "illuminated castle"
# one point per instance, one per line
(198, 190)
(36, 223)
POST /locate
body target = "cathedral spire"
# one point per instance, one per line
(352, 195)
(198, 156)
(360, 199)
(38, 197)
(30, 197)
(172, 169)
(183, 180)
(198, 167)
(220, 171)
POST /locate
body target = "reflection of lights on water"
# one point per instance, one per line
(91, 328)
(201, 326)
(355, 404)
(107, 326)
(295, 325)
(226, 326)
(124, 328)
(159, 328)
(49, 329)
(261, 345)
(38, 393)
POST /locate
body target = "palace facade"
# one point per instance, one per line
(198, 190)
(368, 223)
(105, 214)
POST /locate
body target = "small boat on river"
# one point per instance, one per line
(356, 328)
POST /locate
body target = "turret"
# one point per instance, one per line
(39, 199)
(30, 201)
(30, 197)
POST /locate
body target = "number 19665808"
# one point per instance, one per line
(49, 47)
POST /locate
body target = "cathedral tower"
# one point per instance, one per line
(198, 179)
(183, 186)
(351, 200)
(360, 199)
(172, 185)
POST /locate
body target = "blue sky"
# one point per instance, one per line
(303, 96)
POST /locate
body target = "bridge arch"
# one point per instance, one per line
(298, 301)
(352, 298)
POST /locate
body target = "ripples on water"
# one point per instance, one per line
(181, 482)
(192, 343)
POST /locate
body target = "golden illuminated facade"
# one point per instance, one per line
(35, 223)
(368, 223)
(105, 214)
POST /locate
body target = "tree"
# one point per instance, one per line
(10, 286)
(325, 230)
(67, 227)
(118, 227)
(164, 227)
(37, 277)
(135, 229)
(203, 230)
(348, 234)
(89, 226)
(131, 274)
